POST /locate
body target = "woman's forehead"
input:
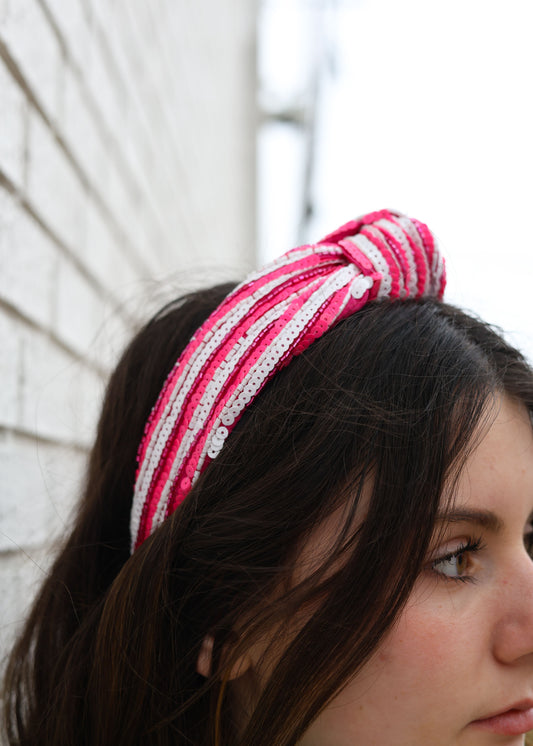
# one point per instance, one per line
(496, 478)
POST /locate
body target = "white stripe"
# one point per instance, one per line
(415, 236)
(189, 375)
(372, 253)
(263, 367)
(399, 235)
(205, 405)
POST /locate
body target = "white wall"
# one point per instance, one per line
(127, 164)
(431, 114)
(424, 107)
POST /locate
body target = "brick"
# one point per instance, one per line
(9, 371)
(111, 337)
(102, 13)
(73, 25)
(118, 197)
(185, 198)
(114, 267)
(27, 261)
(107, 92)
(12, 106)
(132, 147)
(127, 206)
(40, 486)
(59, 397)
(78, 309)
(82, 133)
(88, 405)
(54, 188)
(62, 473)
(106, 260)
(37, 54)
(20, 577)
(48, 393)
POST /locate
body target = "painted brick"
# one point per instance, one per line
(48, 403)
(63, 472)
(54, 188)
(106, 261)
(126, 206)
(27, 261)
(132, 144)
(12, 106)
(40, 485)
(82, 133)
(121, 197)
(9, 371)
(110, 339)
(73, 25)
(102, 14)
(106, 91)
(139, 143)
(78, 312)
(88, 405)
(20, 577)
(168, 154)
(37, 54)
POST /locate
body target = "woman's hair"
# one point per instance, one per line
(366, 425)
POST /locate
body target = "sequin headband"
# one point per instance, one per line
(267, 320)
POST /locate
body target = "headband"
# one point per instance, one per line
(271, 317)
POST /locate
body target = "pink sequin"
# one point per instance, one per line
(274, 315)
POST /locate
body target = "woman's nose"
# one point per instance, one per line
(513, 632)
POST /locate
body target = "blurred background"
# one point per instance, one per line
(151, 146)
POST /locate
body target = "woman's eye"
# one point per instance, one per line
(459, 565)
(452, 565)
(528, 543)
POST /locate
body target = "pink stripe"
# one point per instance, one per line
(354, 226)
(306, 266)
(356, 256)
(188, 410)
(401, 256)
(427, 239)
(382, 245)
(419, 259)
(220, 354)
(244, 366)
(160, 476)
(246, 363)
(320, 322)
(204, 393)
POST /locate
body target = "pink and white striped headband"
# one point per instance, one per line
(271, 317)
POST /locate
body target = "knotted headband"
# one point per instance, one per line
(267, 320)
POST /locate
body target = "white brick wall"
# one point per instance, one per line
(127, 159)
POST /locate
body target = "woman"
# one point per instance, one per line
(329, 537)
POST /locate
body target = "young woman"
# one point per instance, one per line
(306, 520)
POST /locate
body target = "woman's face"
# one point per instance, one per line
(457, 668)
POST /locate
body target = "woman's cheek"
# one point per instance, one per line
(439, 639)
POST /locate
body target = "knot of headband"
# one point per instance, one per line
(267, 320)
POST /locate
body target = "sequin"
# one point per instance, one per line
(273, 315)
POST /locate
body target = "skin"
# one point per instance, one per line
(462, 649)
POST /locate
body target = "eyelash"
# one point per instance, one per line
(528, 543)
(472, 545)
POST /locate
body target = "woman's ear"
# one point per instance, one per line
(204, 663)
(205, 656)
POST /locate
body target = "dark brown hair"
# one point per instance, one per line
(389, 399)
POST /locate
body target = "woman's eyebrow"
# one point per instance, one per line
(484, 518)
